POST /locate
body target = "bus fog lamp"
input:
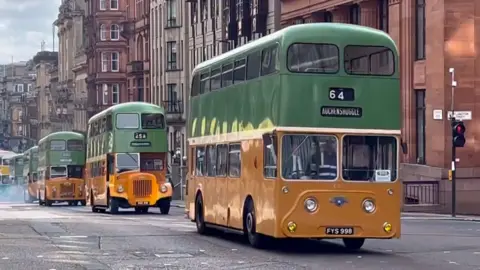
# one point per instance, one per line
(291, 226)
(120, 189)
(387, 227)
(369, 206)
(163, 189)
(311, 205)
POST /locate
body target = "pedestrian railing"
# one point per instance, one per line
(421, 192)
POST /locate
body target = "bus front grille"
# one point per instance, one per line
(142, 188)
(67, 190)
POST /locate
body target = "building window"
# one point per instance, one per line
(105, 93)
(420, 31)
(193, 13)
(103, 32)
(328, 16)
(420, 128)
(171, 55)
(104, 62)
(103, 4)
(115, 61)
(115, 93)
(172, 13)
(19, 88)
(114, 32)
(29, 87)
(383, 15)
(355, 14)
(114, 4)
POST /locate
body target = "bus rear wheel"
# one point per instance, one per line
(353, 243)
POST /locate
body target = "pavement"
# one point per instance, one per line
(65, 237)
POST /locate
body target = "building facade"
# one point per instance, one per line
(186, 33)
(80, 70)
(106, 50)
(432, 37)
(138, 38)
(45, 66)
(17, 82)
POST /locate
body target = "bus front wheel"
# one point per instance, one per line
(353, 243)
(199, 216)
(113, 204)
(250, 227)
(164, 205)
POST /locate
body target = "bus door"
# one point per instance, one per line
(110, 170)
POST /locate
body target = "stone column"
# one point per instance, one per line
(369, 13)
(340, 14)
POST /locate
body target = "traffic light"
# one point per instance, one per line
(458, 133)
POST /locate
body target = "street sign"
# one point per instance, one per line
(460, 115)
(437, 114)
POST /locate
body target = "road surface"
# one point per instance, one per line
(61, 237)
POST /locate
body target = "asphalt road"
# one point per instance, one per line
(33, 237)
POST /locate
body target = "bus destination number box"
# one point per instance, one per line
(140, 135)
(341, 94)
(339, 231)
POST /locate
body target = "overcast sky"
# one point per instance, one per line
(23, 26)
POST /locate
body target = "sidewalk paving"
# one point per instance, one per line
(431, 216)
(178, 203)
(405, 215)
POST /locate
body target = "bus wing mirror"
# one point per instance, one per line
(404, 147)
(267, 139)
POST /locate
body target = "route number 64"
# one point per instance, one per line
(336, 94)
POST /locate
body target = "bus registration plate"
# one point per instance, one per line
(339, 231)
(142, 203)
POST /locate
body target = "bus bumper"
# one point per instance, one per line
(142, 196)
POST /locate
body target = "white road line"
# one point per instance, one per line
(73, 236)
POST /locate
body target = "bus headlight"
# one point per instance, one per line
(311, 205)
(120, 189)
(163, 189)
(369, 206)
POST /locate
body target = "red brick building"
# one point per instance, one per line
(432, 37)
(106, 54)
(138, 68)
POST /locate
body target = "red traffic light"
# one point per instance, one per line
(459, 128)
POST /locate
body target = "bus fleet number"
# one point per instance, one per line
(343, 94)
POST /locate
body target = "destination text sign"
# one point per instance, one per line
(333, 111)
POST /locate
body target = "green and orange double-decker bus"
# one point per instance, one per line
(61, 165)
(30, 174)
(297, 135)
(126, 159)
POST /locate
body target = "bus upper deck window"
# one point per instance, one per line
(127, 121)
(153, 121)
(313, 58)
(369, 60)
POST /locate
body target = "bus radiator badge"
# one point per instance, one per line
(339, 201)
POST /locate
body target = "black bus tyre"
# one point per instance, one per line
(200, 216)
(164, 205)
(92, 203)
(255, 239)
(353, 244)
(113, 204)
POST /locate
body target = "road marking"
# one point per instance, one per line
(476, 252)
(446, 252)
(5, 258)
(40, 256)
(452, 262)
(73, 236)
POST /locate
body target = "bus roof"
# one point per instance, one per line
(340, 31)
(128, 107)
(62, 135)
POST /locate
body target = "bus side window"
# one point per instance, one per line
(269, 156)
(109, 122)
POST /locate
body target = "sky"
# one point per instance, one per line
(23, 26)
